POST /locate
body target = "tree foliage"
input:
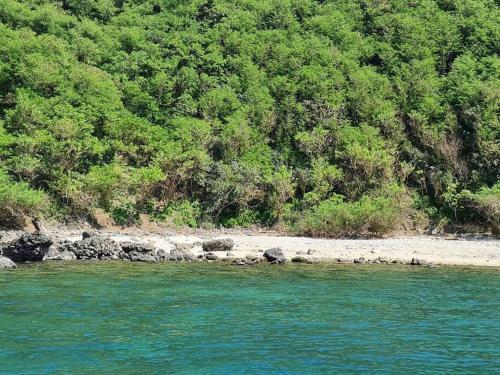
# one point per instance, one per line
(297, 112)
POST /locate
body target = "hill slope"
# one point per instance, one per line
(331, 117)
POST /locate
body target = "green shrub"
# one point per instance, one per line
(481, 208)
(181, 214)
(375, 215)
(18, 200)
(244, 219)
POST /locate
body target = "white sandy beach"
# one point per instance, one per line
(434, 249)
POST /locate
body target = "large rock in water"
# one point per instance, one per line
(6, 263)
(223, 244)
(95, 248)
(28, 247)
(274, 255)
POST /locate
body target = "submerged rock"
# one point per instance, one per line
(28, 247)
(224, 244)
(275, 255)
(6, 263)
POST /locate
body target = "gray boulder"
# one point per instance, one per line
(59, 252)
(211, 256)
(137, 247)
(181, 253)
(28, 247)
(95, 247)
(224, 244)
(300, 259)
(6, 263)
(162, 255)
(360, 260)
(136, 256)
(275, 255)
(311, 252)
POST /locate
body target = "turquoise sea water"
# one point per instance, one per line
(123, 318)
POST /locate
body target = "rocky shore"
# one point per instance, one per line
(240, 249)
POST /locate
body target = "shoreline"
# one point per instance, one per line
(417, 250)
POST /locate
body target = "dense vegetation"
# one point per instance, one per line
(331, 117)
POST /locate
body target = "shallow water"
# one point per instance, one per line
(123, 318)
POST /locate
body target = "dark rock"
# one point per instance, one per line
(419, 262)
(95, 247)
(6, 263)
(311, 252)
(275, 255)
(211, 256)
(383, 260)
(360, 260)
(88, 234)
(342, 260)
(136, 256)
(137, 247)
(224, 244)
(28, 247)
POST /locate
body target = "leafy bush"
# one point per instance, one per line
(480, 208)
(377, 214)
(18, 200)
(181, 214)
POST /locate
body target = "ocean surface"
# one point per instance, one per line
(130, 318)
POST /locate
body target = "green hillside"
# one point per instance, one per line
(326, 118)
